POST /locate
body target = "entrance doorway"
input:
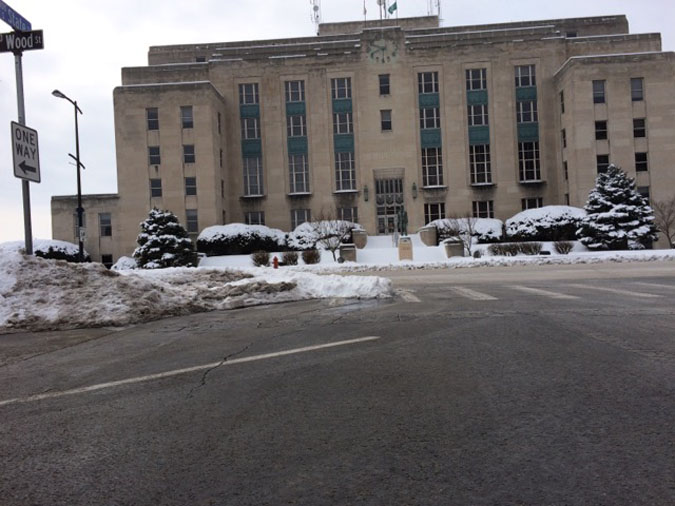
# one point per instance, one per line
(389, 200)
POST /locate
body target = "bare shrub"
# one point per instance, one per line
(529, 248)
(311, 256)
(506, 249)
(260, 258)
(289, 258)
(664, 219)
(563, 247)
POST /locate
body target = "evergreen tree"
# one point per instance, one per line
(163, 242)
(618, 217)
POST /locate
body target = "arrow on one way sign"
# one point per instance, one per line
(25, 152)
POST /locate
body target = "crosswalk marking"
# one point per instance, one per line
(544, 293)
(472, 294)
(616, 290)
(655, 285)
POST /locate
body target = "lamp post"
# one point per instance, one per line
(80, 210)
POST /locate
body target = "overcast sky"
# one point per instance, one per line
(87, 43)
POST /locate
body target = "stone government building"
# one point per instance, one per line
(370, 116)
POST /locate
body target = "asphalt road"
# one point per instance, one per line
(503, 386)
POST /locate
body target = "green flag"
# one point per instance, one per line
(392, 8)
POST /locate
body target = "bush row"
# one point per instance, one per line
(528, 248)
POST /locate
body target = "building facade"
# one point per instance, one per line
(371, 116)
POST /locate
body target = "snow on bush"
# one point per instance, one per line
(485, 230)
(124, 264)
(310, 235)
(548, 223)
(240, 239)
(49, 248)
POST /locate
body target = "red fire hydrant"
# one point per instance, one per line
(275, 262)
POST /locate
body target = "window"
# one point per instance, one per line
(571, 35)
(528, 161)
(562, 102)
(567, 199)
(190, 186)
(188, 153)
(107, 261)
(598, 92)
(191, 221)
(152, 116)
(253, 176)
(153, 155)
(348, 214)
(525, 76)
(341, 87)
(248, 93)
(222, 188)
(220, 158)
(299, 216)
(531, 203)
(250, 128)
(186, 116)
(601, 163)
(430, 117)
(476, 79)
(566, 171)
(105, 224)
(342, 123)
(385, 88)
(478, 115)
(345, 172)
(526, 111)
(296, 126)
(600, 130)
(298, 171)
(432, 167)
(220, 124)
(434, 212)
(563, 137)
(483, 209)
(254, 218)
(385, 120)
(641, 164)
(639, 127)
(155, 187)
(200, 59)
(636, 89)
(644, 192)
(479, 163)
(295, 91)
(427, 82)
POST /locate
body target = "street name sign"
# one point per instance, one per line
(25, 152)
(13, 18)
(21, 41)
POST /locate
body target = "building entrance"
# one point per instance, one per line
(389, 200)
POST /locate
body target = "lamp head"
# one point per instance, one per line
(57, 93)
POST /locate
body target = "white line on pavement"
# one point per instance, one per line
(176, 372)
(616, 290)
(471, 294)
(655, 285)
(544, 293)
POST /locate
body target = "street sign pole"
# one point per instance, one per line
(25, 185)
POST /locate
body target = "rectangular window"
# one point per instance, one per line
(345, 172)
(250, 128)
(296, 126)
(427, 82)
(191, 221)
(155, 187)
(434, 212)
(341, 87)
(220, 124)
(528, 161)
(525, 76)
(531, 203)
(152, 116)
(432, 167)
(188, 153)
(107, 261)
(639, 127)
(385, 88)
(598, 92)
(295, 91)
(636, 89)
(641, 164)
(644, 192)
(479, 163)
(190, 186)
(601, 163)
(248, 93)
(526, 111)
(385, 120)
(299, 216)
(600, 130)
(483, 209)
(562, 102)
(220, 158)
(478, 115)
(254, 218)
(430, 117)
(253, 176)
(565, 170)
(105, 224)
(563, 138)
(186, 116)
(153, 155)
(222, 188)
(348, 214)
(298, 171)
(567, 199)
(476, 79)
(342, 123)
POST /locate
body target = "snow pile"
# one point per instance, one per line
(237, 238)
(124, 264)
(548, 223)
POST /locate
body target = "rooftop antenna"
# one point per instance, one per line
(316, 14)
(438, 10)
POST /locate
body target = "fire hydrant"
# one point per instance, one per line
(275, 262)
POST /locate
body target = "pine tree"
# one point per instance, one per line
(618, 217)
(163, 242)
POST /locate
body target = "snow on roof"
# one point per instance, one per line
(612, 55)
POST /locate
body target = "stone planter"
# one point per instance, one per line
(453, 248)
(429, 236)
(360, 238)
(348, 252)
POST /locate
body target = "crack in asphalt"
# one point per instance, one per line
(202, 382)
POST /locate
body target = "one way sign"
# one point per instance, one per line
(25, 152)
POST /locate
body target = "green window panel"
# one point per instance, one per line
(430, 100)
(297, 145)
(342, 105)
(474, 97)
(251, 147)
(526, 93)
(249, 111)
(431, 138)
(479, 135)
(528, 132)
(344, 143)
(295, 108)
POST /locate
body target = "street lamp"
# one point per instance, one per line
(80, 210)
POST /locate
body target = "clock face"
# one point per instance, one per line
(382, 51)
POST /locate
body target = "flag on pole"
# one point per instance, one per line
(392, 8)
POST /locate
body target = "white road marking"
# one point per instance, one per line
(655, 285)
(471, 294)
(177, 372)
(617, 291)
(407, 296)
(544, 293)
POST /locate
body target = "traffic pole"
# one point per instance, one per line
(25, 185)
